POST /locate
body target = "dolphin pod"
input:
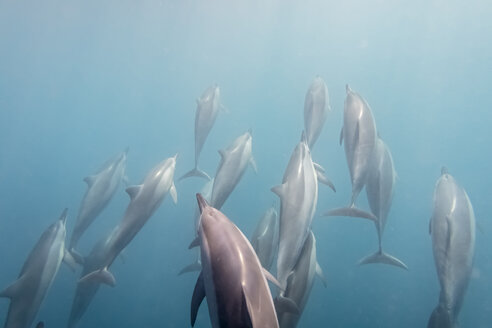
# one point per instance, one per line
(316, 107)
(232, 278)
(144, 201)
(101, 187)
(379, 190)
(208, 106)
(452, 228)
(38, 273)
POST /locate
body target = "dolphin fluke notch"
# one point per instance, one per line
(384, 258)
(351, 211)
(193, 267)
(196, 172)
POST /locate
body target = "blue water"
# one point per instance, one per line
(81, 80)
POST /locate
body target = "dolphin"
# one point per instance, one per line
(316, 108)
(101, 187)
(144, 201)
(234, 160)
(359, 139)
(232, 278)
(86, 290)
(206, 192)
(379, 189)
(208, 106)
(298, 198)
(452, 228)
(300, 283)
(38, 273)
(265, 238)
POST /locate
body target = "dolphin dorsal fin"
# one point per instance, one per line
(90, 180)
(320, 274)
(252, 162)
(14, 289)
(133, 191)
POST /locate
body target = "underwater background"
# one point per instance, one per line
(82, 80)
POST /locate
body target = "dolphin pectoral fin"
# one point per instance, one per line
(351, 211)
(278, 190)
(341, 136)
(196, 172)
(252, 162)
(133, 191)
(382, 257)
(194, 243)
(174, 193)
(318, 168)
(77, 256)
(286, 305)
(102, 276)
(69, 260)
(14, 288)
(441, 318)
(271, 278)
(193, 267)
(198, 296)
(320, 274)
(90, 180)
(324, 180)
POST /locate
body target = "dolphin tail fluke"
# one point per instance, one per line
(196, 172)
(102, 276)
(193, 267)
(382, 257)
(351, 211)
(286, 305)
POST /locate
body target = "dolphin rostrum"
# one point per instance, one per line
(379, 189)
(208, 106)
(232, 278)
(316, 107)
(234, 160)
(144, 201)
(298, 197)
(452, 227)
(359, 139)
(101, 187)
(38, 273)
(265, 238)
(299, 284)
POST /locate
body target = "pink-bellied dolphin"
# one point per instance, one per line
(452, 228)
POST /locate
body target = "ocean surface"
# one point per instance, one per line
(82, 80)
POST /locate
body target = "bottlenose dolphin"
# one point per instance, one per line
(232, 278)
(316, 107)
(144, 201)
(208, 106)
(234, 160)
(359, 139)
(379, 189)
(300, 283)
(206, 192)
(298, 197)
(86, 290)
(265, 238)
(38, 272)
(101, 187)
(452, 227)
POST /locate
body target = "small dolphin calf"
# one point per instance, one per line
(298, 198)
(316, 107)
(265, 238)
(208, 107)
(232, 278)
(300, 283)
(234, 160)
(101, 187)
(38, 273)
(379, 189)
(359, 139)
(452, 228)
(145, 199)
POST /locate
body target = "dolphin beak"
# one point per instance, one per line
(202, 203)
(63, 216)
(176, 156)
